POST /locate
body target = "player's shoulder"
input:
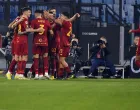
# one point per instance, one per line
(65, 22)
(25, 22)
(17, 18)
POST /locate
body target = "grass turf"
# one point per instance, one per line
(76, 94)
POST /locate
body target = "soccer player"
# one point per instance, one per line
(137, 60)
(66, 31)
(40, 42)
(22, 43)
(54, 43)
(13, 44)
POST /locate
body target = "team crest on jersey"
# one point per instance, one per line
(40, 40)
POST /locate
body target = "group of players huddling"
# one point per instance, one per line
(56, 50)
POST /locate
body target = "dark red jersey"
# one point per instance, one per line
(56, 31)
(22, 26)
(15, 30)
(16, 20)
(66, 31)
(40, 38)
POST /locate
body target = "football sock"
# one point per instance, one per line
(60, 72)
(19, 67)
(67, 69)
(36, 65)
(45, 61)
(12, 66)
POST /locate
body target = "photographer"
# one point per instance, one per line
(7, 45)
(99, 56)
(76, 52)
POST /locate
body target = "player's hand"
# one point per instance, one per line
(40, 29)
(130, 31)
(29, 30)
(78, 15)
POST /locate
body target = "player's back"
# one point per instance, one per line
(15, 32)
(40, 38)
(66, 31)
(40, 23)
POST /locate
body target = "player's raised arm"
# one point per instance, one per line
(134, 31)
(10, 25)
(17, 22)
(77, 15)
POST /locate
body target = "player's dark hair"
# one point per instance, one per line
(26, 9)
(52, 8)
(39, 11)
(66, 14)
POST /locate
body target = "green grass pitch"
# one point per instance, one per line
(75, 94)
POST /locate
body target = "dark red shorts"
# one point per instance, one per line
(54, 49)
(64, 51)
(40, 49)
(21, 46)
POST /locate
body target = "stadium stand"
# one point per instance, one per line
(114, 4)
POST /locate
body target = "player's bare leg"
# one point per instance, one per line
(19, 66)
(22, 66)
(65, 65)
(60, 74)
(46, 65)
(11, 68)
(53, 67)
(36, 66)
(29, 74)
(17, 58)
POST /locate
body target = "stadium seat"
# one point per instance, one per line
(138, 1)
(108, 1)
(110, 5)
(123, 14)
(116, 8)
(129, 13)
(86, 1)
(97, 1)
(86, 9)
(31, 0)
(130, 2)
(116, 2)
